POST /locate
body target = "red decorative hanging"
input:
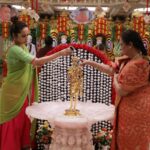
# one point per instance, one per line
(43, 28)
(139, 25)
(62, 24)
(81, 31)
(100, 26)
(25, 18)
(118, 30)
(5, 30)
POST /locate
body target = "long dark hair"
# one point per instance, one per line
(17, 27)
(134, 37)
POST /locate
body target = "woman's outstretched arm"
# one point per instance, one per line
(100, 66)
(41, 61)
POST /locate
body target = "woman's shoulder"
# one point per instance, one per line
(140, 64)
(14, 49)
(141, 61)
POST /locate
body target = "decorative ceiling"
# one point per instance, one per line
(116, 7)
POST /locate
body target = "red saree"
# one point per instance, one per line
(132, 120)
(15, 134)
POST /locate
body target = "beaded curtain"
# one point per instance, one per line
(97, 86)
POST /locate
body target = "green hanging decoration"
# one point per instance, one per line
(69, 36)
(86, 28)
(1, 66)
(113, 31)
(38, 31)
(117, 49)
(76, 33)
(48, 32)
(0, 29)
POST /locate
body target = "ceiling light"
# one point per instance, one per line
(18, 7)
(142, 9)
(66, 8)
(70, 8)
(91, 8)
(105, 8)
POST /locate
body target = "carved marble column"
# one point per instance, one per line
(71, 139)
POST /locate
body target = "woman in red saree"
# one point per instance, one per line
(131, 73)
(16, 90)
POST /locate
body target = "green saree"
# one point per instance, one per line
(17, 84)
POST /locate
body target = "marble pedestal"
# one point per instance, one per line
(71, 132)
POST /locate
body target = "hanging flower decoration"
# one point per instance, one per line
(92, 50)
(119, 28)
(81, 46)
(86, 29)
(25, 18)
(5, 29)
(81, 31)
(89, 38)
(139, 25)
(100, 26)
(62, 22)
(127, 24)
(48, 30)
(43, 30)
(113, 31)
(0, 29)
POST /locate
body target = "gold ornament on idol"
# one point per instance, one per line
(75, 78)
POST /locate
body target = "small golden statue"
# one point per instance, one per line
(75, 77)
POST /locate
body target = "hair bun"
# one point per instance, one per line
(14, 20)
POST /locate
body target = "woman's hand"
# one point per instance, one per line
(118, 87)
(100, 66)
(116, 77)
(118, 60)
(65, 52)
(85, 62)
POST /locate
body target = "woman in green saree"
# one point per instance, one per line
(15, 93)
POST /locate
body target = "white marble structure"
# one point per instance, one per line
(71, 132)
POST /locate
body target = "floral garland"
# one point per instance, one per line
(103, 137)
(92, 50)
(44, 133)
